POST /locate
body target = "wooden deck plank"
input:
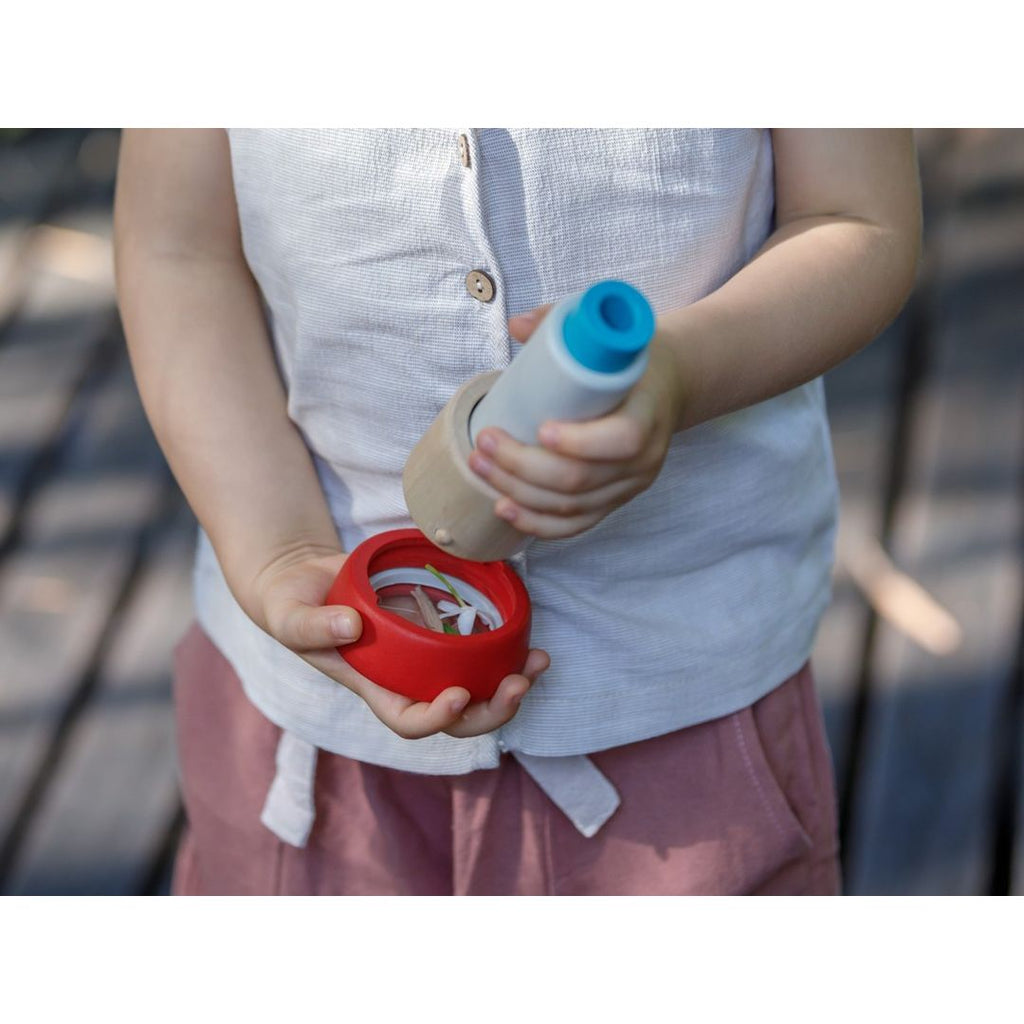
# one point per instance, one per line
(33, 168)
(867, 414)
(33, 178)
(862, 412)
(58, 588)
(47, 351)
(15, 242)
(923, 815)
(1015, 856)
(107, 811)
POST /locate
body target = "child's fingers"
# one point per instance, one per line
(546, 525)
(302, 627)
(561, 502)
(486, 716)
(449, 712)
(410, 719)
(537, 466)
(520, 327)
(413, 720)
(621, 436)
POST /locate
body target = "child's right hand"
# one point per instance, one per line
(287, 601)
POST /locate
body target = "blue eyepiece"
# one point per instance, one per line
(609, 327)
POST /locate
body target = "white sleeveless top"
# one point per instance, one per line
(693, 600)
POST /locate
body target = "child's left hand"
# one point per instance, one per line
(582, 471)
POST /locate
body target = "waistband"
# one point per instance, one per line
(574, 784)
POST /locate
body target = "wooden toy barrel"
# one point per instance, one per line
(451, 505)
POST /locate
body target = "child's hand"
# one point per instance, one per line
(289, 596)
(582, 471)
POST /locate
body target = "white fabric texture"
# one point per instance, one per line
(690, 602)
(576, 787)
(573, 784)
(290, 808)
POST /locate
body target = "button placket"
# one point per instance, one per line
(479, 283)
(483, 285)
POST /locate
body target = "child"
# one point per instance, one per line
(299, 305)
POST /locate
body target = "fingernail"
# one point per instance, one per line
(487, 443)
(341, 626)
(548, 434)
(480, 465)
(515, 699)
(508, 512)
(458, 705)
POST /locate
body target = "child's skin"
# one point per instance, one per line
(836, 270)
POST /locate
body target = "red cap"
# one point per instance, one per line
(415, 661)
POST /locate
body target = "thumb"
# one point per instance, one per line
(521, 326)
(304, 627)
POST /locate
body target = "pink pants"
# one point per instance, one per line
(742, 804)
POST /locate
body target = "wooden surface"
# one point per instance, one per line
(95, 545)
(927, 720)
(445, 498)
(918, 660)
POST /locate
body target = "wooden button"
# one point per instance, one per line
(479, 285)
(464, 150)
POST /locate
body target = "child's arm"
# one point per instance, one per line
(838, 267)
(207, 376)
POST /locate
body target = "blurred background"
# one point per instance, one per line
(919, 659)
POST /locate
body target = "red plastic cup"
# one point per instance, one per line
(415, 661)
